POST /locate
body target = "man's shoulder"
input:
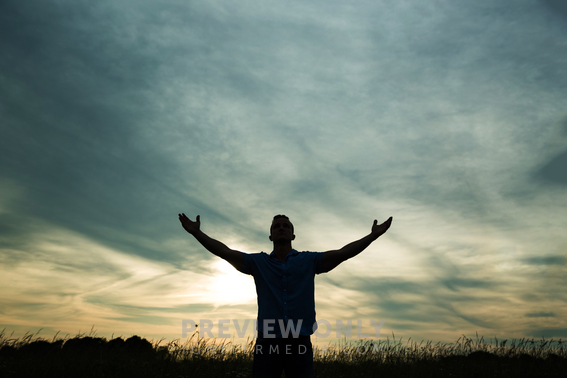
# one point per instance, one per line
(307, 254)
(294, 253)
(257, 255)
(251, 260)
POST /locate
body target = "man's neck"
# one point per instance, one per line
(282, 250)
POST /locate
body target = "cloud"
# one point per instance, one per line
(117, 116)
(546, 260)
(548, 333)
(541, 315)
(557, 6)
(552, 171)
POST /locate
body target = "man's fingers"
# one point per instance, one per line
(383, 226)
(185, 218)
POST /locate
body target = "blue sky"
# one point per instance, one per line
(450, 117)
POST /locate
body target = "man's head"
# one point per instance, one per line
(281, 229)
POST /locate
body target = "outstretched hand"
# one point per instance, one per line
(379, 229)
(190, 226)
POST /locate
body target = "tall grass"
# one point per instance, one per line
(86, 355)
(467, 357)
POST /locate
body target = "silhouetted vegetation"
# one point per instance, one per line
(91, 356)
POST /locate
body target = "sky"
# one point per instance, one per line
(451, 117)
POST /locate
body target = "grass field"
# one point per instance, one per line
(91, 356)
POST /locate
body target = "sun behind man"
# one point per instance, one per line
(286, 292)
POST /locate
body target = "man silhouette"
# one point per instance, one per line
(285, 287)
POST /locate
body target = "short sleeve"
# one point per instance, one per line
(246, 263)
(318, 262)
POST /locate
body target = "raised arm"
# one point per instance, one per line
(214, 246)
(333, 258)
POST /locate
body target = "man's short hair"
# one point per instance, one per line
(278, 217)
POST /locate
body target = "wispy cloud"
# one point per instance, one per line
(117, 116)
